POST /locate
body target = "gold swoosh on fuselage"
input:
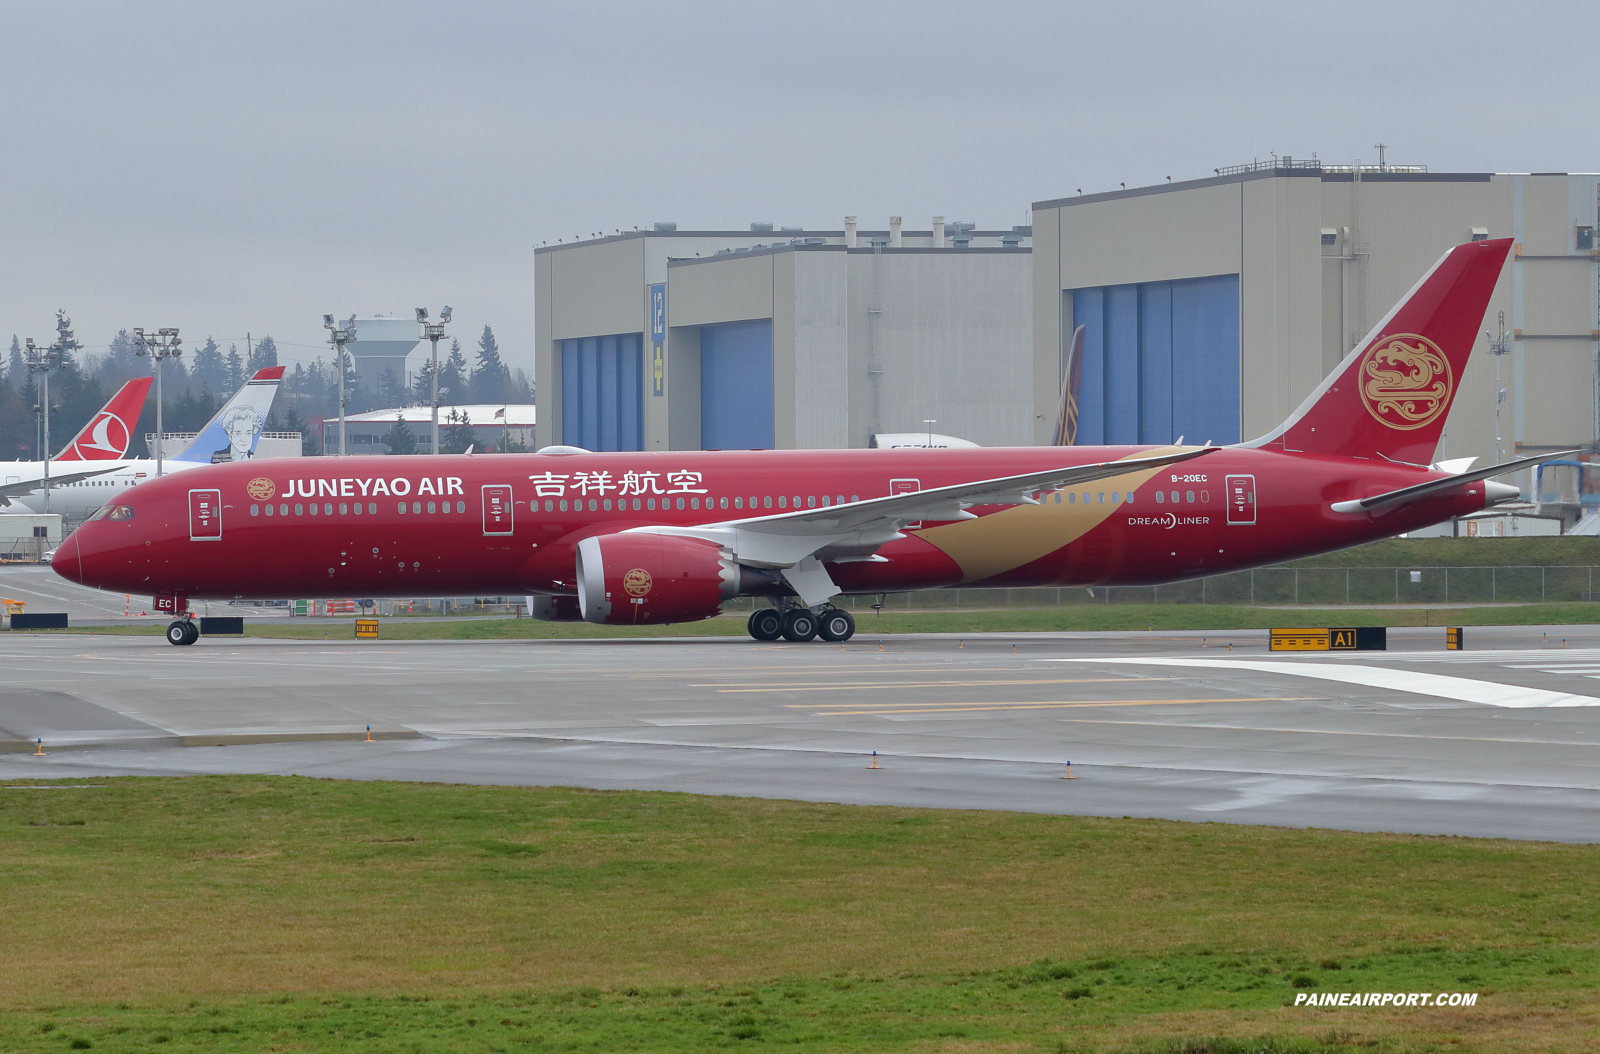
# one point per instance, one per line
(1021, 534)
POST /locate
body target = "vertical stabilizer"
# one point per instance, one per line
(233, 433)
(108, 433)
(1067, 414)
(1390, 397)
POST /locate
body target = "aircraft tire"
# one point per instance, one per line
(836, 625)
(799, 625)
(182, 632)
(765, 624)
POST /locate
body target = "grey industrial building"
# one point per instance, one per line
(1214, 306)
(667, 339)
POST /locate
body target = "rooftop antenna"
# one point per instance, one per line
(1383, 166)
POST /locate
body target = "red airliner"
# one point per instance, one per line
(650, 538)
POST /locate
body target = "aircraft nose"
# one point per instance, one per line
(68, 561)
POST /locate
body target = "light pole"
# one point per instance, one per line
(1498, 347)
(434, 334)
(42, 361)
(339, 336)
(160, 346)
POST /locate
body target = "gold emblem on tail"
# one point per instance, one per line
(1405, 381)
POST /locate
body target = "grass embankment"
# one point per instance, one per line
(247, 913)
(1463, 552)
(1218, 617)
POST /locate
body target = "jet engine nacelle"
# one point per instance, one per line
(632, 579)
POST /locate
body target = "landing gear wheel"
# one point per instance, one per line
(836, 625)
(182, 632)
(799, 625)
(765, 624)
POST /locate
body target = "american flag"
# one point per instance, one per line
(500, 412)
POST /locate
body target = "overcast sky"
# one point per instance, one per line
(231, 168)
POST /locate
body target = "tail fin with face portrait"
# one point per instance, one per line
(233, 433)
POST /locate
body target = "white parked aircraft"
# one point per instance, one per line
(231, 435)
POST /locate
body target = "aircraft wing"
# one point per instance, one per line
(796, 543)
(28, 486)
(1378, 502)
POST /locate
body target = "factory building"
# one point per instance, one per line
(685, 340)
(1214, 306)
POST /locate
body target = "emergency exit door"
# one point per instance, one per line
(1241, 492)
(205, 515)
(497, 509)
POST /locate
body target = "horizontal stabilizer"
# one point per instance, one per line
(1436, 486)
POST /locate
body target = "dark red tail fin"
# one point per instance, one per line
(1391, 395)
(106, 436)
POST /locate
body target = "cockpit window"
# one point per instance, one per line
(113, 512)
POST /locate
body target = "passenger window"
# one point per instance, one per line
(738, 503)
(432, 508)
(563, 504)
(594, 506)
(1189, 497)
(1058, 497)
(1161, 496)
(356, 508)
(300, 510)
(1175, 497)
(855, 497)
(269, 510)
(1205, 497)
(255, 510)
(766, 503)
(549, 505)
(283, 510)
(1072, 498)
(650, 503)
(797, 501)
(811, 501)
(344, 508)
(722, 503)
(694, 503)
(636, 504)
(1128, 497)
(1102, 497)
(313, 508)
(608, 504)
(461, 506)
(416, 506)
(680, 504)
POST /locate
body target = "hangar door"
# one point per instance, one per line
(602, 380)
(1160, 360)
(736, 386)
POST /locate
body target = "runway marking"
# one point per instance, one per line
(928, 684)
(963, 708)
(1461, 689)
(1328, 732)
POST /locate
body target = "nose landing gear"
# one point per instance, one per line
(183, 631)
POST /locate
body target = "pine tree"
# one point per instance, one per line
(264, 355)
(401, 440)
(209, 369)
(489, 380)
(236, 374)
(15, 369)
(391, 390)
(456, 435)
(422, 384)
(453, 375)
(120, 364)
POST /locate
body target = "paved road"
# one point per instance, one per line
(1501, 740)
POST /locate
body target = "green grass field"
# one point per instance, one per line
(255, 914)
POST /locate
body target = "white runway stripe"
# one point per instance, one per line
(1461, 689)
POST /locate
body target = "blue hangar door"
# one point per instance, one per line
(602, 381)
(736, 386)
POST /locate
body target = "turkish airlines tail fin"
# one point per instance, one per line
(106, 436)
(1390, 397)
(1067, 414)
(233, 433)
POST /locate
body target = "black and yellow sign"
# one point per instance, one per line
(1454, 639)
(1348, 638)
(366, 629)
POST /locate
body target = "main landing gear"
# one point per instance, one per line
(801, 624)
(183, 631)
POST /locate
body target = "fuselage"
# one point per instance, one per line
(453, 525)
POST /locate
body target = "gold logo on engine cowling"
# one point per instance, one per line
(260, 488)
(636, 582)
(1405, 381)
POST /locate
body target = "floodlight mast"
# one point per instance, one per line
(160, 346)
(434, 333)
(339, 336)
(42, 361)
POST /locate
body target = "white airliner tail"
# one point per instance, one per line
(233, 433)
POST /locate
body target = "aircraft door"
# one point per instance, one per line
(205, 515)
(905, 486)
(1241, 499)
(497, 509)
